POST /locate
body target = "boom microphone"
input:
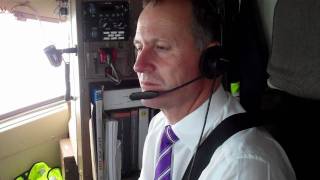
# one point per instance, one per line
(153, 94)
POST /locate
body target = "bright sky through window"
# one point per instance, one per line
(26, 75)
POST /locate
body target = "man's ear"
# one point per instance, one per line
(212, 63)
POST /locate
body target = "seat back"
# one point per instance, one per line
(294, 69)
(294, 63)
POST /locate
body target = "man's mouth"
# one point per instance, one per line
(149, 86)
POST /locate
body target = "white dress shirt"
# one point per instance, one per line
(250, 154)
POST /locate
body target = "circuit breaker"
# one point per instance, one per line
(108, 30)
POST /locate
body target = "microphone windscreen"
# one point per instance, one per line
(143, 95)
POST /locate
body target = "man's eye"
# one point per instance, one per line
(138, 49)
(162, 47)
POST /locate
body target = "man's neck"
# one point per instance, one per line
(176, 113)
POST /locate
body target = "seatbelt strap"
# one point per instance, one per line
(217, 137)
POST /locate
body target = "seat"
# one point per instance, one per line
(284, 49)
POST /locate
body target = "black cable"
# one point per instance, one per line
(203, 127)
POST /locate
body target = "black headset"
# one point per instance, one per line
(212, 63)
(213, 60)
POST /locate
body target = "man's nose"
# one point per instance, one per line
(144, 62)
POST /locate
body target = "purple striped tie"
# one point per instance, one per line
(164, 161)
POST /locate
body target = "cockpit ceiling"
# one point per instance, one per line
(48, 10)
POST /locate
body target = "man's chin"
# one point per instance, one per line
(151, 103)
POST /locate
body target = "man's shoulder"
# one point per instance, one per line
(248, 140)
(252, 143)
(252, 150)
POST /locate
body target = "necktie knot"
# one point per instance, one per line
(168, 138)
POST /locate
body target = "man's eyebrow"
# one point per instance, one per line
(155, 40)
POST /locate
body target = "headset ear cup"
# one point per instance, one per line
(211, 65)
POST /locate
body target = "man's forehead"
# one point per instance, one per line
(174, 8)
(165, 16)
(166, 20)
(154, 34)
(162, 30)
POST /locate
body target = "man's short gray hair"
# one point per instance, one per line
(206, 22)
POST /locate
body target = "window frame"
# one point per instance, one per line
(32, 108)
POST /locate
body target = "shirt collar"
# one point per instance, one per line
(189, 128)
